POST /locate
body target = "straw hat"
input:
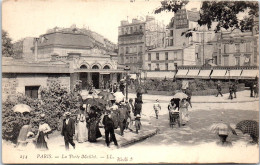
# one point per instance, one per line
(67, 114)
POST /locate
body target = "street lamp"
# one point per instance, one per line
(127, 69)
(228, 75)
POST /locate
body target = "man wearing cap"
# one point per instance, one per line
(109, 128)
(68, 130)
(219, 89)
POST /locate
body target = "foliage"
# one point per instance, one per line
(226, 13)
(7, 46)
(54, 101)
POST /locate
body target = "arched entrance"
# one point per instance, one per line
(83, 76)
(95, 77)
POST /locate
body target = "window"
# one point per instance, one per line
(131, 30)
(175, 55)
(131, 59)
(32, 91)
(157, 66)
(171, 33)
(127, 60)
(106, 67)
(149, 57)
(166, 66)
(237, 61)
(83, 67)
(149, 67)
(248, 47)
(135, 59)
(171, 42)
(197, 55)
(157, 56)
(127, 50)
(226, 63)
(140, 49)
(237, 48)
(225, 48)
(95, 67)
(166, 55)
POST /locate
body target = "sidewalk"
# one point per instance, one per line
(242, 96)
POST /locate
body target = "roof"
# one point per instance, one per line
(68, 39)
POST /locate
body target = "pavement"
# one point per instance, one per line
(175, 144)
(242, 96)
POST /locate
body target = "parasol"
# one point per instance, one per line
(222, 129)
(180, 95)
(250, 127)
(107, 95)
(22, 108)
(119, 96)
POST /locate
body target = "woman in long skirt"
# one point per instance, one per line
(93, 129)
(81, 126)
(23, 134)
(44, 129)
(184, 115)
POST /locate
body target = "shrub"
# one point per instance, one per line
(54, 101)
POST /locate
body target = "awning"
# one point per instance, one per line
(234, 74)
(249, 74)
(192, 73)
(181, 73)
(218, 74)
(204, 74)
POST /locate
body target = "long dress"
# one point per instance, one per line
(184, 115)
(41, 142)
(81, 128)
(93, 130)
(22, 138)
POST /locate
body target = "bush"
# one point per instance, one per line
(54, 101)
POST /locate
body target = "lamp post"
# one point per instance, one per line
(228, 75)
(127, 69)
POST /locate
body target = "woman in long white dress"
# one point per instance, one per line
(184, 115)
(81, 126)
(42, 136)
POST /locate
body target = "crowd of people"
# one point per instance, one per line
(85, 126)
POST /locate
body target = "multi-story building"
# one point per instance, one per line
(135, 38)
(237, 48)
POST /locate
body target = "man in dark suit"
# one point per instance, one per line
(123, 116)
(68, 130)
(109, 128)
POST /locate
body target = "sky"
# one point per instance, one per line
(31, 18)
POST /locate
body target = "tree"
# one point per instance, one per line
(225, 13)
(7, 46)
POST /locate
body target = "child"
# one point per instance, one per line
(156, 107)
(109, 128)
(137, 123)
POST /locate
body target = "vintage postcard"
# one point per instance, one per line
(130, 81)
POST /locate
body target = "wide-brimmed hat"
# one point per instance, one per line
(67, 114)
(138, 116)
(42, 115)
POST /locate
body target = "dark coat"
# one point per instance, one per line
(123, 113)
(108, 123)
(70, 128)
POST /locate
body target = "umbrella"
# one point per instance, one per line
(119, 97)
(107, 95)
(22, 108)
(90, 101)
(222, 129)
(180, 95)
(250, 127)
(101, 101)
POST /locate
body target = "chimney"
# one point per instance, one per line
(36, 49)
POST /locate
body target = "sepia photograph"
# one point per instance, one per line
(130, 81)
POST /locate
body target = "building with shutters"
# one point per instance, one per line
(135, 38)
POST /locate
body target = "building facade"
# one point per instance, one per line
(135, 38)
(22, 48)
(238, 49)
